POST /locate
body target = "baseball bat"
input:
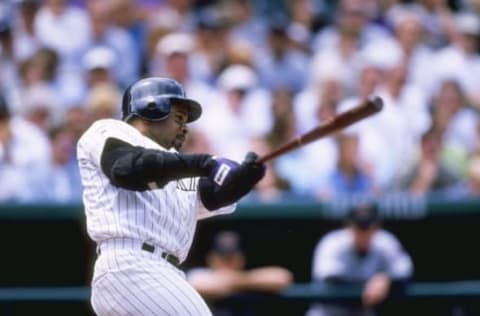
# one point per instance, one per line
(365, 109)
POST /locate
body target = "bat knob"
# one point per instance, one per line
(251, 157)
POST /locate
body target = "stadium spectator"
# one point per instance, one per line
(470, 186)
(460, 60)
(175, 58)
(313, 106)
(353, 18)
(54, 25)
(306, 17)
(98, 63)
(6, 34)
(439, 23)
(349, 178)
(280, 64)
(370, 77)
(244, 23)
(364, 254)
(43, 68)
(77, 119)
(63, 181)
(103, 102)
(329, 55)
(212, 44)
(103, 32)
(177, 14)
(404, 116)
(226, 274)
(427, 174)
(24, 158)
(456, 121)
(409, 31)
(40, 106)
(129, 16)
(9, 76)
(244, 108)
(25, 39)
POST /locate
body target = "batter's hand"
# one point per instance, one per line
(250, 171)
(228, 182)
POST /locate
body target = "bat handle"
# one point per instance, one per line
(251, 157)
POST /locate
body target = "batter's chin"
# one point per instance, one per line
(178, 143)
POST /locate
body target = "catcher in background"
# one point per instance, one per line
(361, 253)
(143, 199)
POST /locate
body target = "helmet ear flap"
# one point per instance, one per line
(156, 109)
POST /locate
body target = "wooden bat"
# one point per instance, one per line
(365, 109)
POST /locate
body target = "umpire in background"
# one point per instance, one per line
(362, 254)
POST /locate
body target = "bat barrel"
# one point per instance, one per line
(364, 110)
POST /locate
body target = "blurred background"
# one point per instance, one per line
(264, 71)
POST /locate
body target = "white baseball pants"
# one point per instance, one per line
(130, 281)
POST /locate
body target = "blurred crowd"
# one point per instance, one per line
(264, 72)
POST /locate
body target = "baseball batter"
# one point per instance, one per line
(142, 200)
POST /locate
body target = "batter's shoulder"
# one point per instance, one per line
(104, 128)
(108, 124)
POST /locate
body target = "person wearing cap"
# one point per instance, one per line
(98, 63)
(244, 108)
(280, 65)
(226, 274)
(176, 57)
(460, 60)
(143, 197)
(404, 116)
(361, 253)
(24, 157)
(103, 32)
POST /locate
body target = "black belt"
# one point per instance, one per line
(165, 255)
(150, 248)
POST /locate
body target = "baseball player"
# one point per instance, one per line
(360, 253)
(142, 200)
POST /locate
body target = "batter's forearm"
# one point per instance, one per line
(134, 168)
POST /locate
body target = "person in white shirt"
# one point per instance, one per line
(24, 158)
(363, 254)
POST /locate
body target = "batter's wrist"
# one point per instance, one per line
(208, 165)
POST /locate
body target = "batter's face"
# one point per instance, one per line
(172, 131)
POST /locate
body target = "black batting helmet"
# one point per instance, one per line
(152, 99)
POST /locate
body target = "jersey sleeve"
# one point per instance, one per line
(204, 213)
(91, 144)
(398, 263)
(327, 259)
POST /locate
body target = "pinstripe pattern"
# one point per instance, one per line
(137, 283)
(128, 280)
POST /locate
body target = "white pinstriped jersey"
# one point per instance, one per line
(164, 217)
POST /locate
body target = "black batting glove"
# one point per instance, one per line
(250, 172)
